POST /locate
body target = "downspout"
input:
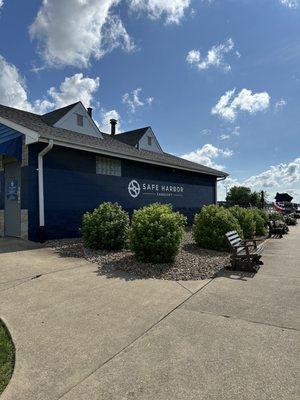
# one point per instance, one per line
(216, 187)
(42, 234)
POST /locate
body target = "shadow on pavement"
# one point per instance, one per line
(12, 245)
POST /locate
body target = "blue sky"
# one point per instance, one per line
(218, 80)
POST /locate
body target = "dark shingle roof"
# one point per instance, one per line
(52, 117)
(107, 145)
(131, 137)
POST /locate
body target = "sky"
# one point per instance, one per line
(217, 80)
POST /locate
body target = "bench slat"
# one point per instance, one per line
(230, 232)
(235, 242)
(233, 237)
(242, 252)
(229, 235)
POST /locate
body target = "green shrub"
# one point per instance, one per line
(210, 226)
(106, 227)
(275, 216)
(261, 219)
(246, 220)
(263, 214)
(156, 233)
(290, 220)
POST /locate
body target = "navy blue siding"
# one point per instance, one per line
(32, 181)
(1, 190)
(72, 187)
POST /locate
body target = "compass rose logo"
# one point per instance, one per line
(134, 188)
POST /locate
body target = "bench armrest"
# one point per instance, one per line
(247, 241)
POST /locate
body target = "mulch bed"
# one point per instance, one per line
(192, 263)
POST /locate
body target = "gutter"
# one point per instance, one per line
(42, 235)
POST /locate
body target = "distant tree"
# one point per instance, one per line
(255, 199)
(242, 196)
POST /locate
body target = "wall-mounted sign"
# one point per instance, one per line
(136, 189)
(12, 190)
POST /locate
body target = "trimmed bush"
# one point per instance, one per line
(246, 220)
(290, 219)
(156, 233)
(263, 214)
(275, 216)
(261, 219)
(210, 226)
(106, 227)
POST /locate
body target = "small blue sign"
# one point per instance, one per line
(12, 190)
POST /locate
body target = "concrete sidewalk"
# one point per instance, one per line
(83, 336)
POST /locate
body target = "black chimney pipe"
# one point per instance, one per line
(113, 123)
(90, 112)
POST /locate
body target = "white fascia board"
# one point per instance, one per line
(30, 136)
(125, 157)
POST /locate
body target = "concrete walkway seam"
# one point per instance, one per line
(136, 339)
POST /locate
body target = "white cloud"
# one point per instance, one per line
(193, 57)
(13, 91)
(172, 10)
(290, 3)
(1, 3)
(229, 106)
(205, 132)
(236, 131)
(150, 100)
(70, 32)
(12, 86)
(277, 175)
(134, 101)
(74, 88)
(207, 154)
(214, 58)
(106, 116)
(284, 177)
(224, 136)
(280, 104)
(229, 135)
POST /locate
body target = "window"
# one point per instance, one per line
(79, 120)
(108, 166)
(149, 141)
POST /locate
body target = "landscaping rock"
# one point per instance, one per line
(192, 262)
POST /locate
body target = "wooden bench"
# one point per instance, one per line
(245, 254)
(276, 229)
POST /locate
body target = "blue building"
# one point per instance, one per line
(56, 166)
